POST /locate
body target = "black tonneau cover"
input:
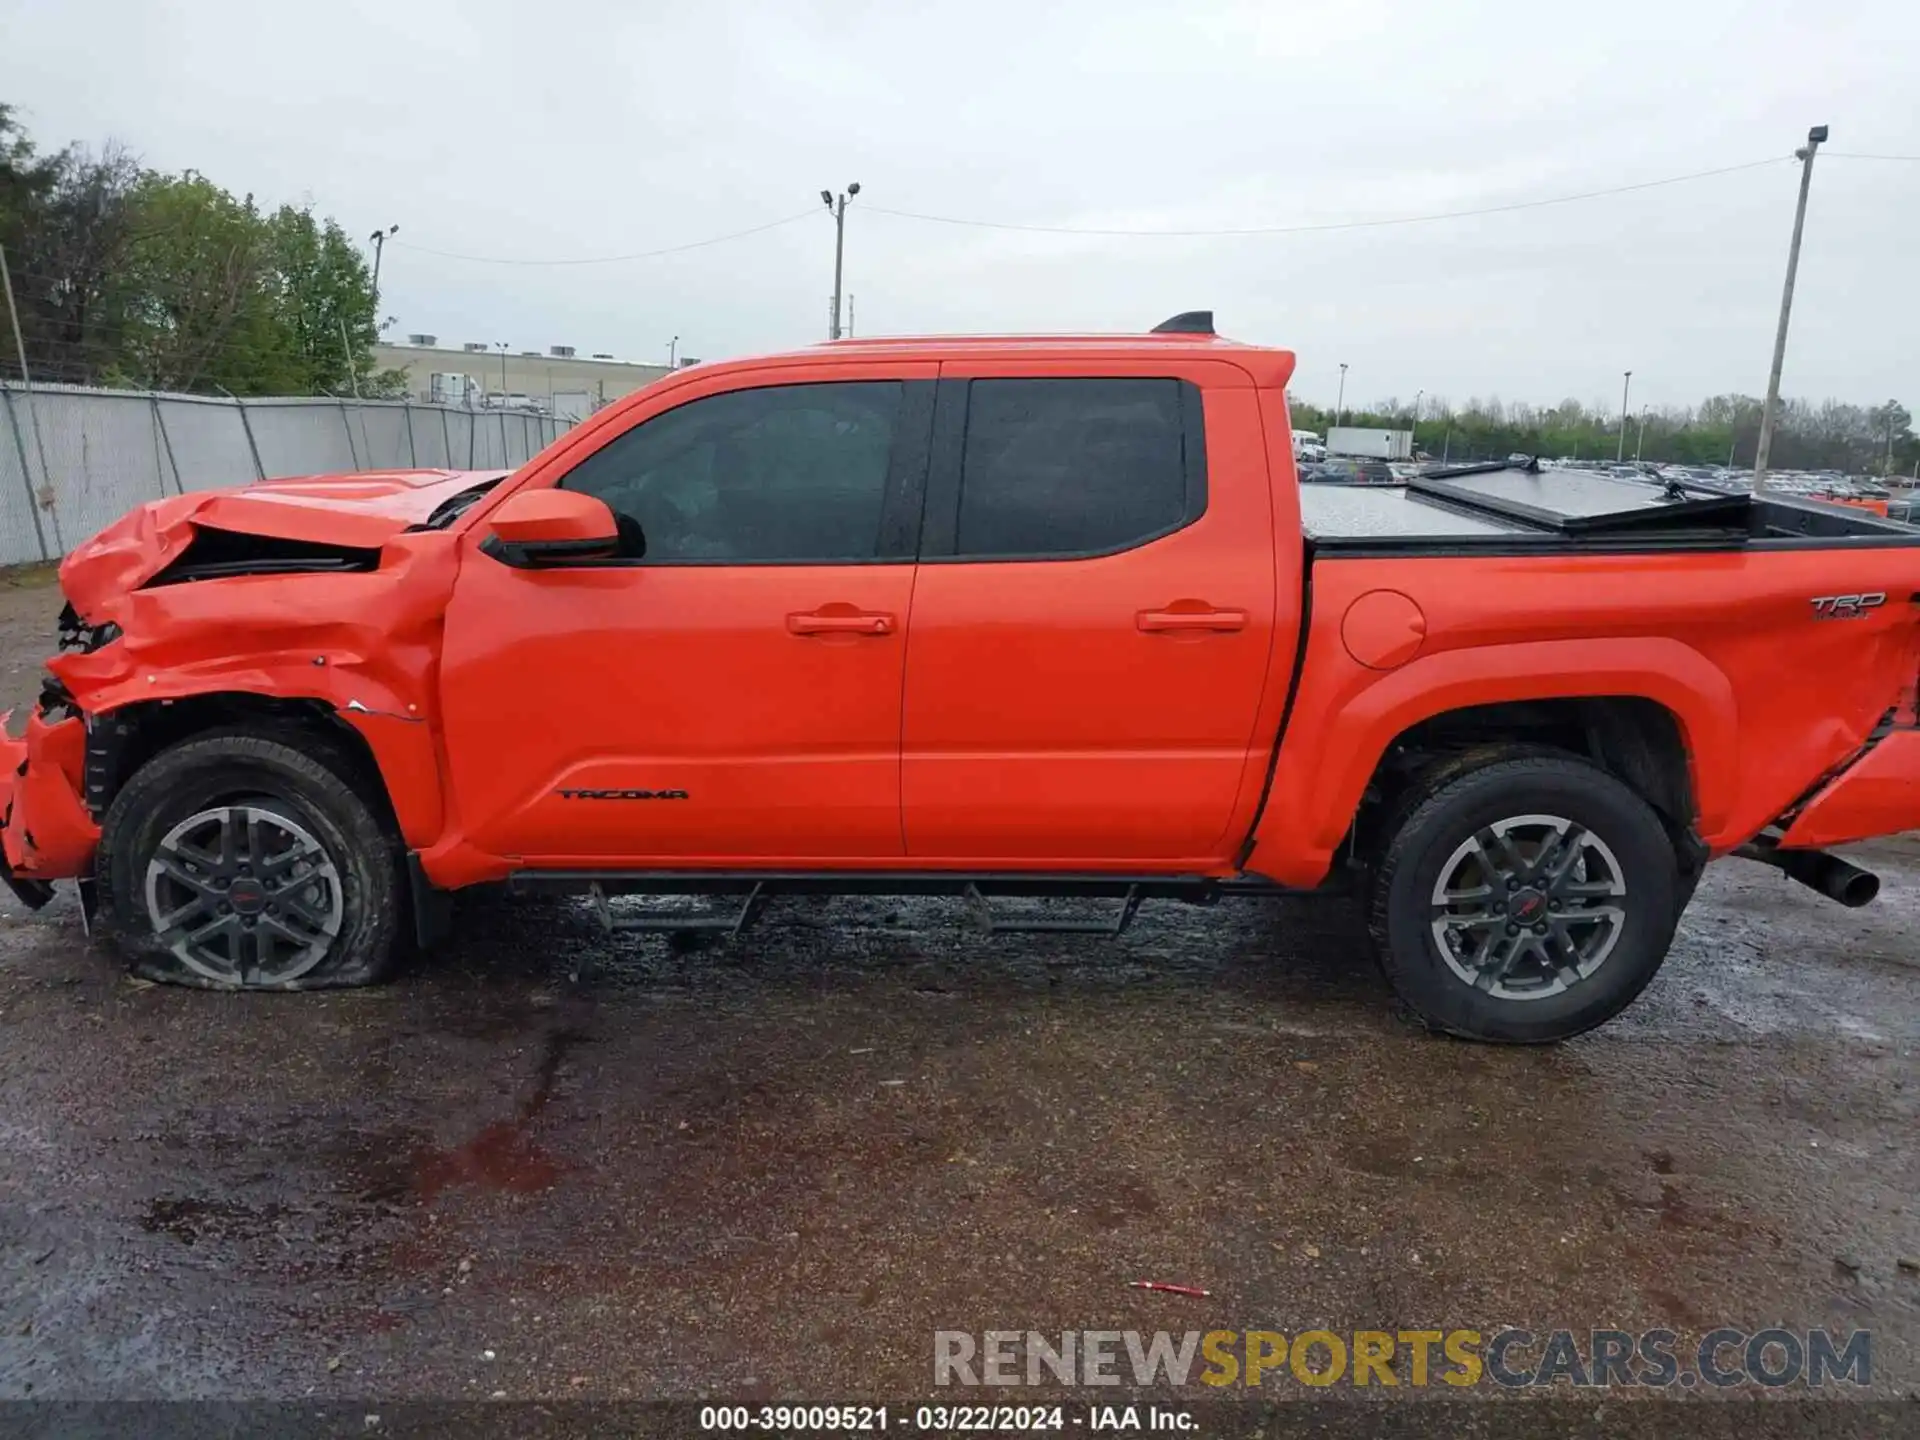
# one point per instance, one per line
(1577, 502)
(1525, 506)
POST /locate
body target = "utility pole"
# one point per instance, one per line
(379, 239)
(1763, 451)
(673, 348)
(839, 213)
(346, 350)
(503, 370)
(1625, 385)
(1413, 430)
(849, 317)
(1340, 405)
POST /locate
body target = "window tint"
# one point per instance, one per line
(790, 472)
(1071, 466)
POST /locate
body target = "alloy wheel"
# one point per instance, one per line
(244, 895)
(1528, 907)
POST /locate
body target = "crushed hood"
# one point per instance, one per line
(359, 511)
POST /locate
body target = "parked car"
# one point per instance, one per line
(979, 617)
(1347, 470)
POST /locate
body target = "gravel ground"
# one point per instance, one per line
(550, 1163)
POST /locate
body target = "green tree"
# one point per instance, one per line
(326, 306)
(200, 272)
(66, 223)
(1722, 430)
(1893, 424)
(235, 300)
(124, 276)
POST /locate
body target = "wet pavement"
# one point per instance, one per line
(546, 1162)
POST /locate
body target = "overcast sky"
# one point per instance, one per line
(518, 129)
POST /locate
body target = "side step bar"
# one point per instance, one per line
(1036, 884)
(995, 924)
(977, 889)
(741, 920)
(678, 920)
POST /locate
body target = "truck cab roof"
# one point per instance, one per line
(1185, 337)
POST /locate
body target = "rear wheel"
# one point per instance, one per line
(1525, 901)
(247, 861)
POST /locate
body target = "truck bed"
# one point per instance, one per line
(1511, 508)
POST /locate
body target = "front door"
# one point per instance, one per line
(732, 695)
(1094, 618)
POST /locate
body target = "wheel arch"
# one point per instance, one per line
(120, 741)
(1637, 740)
(1653, 711)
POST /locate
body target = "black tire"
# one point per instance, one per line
(282, 786)
(1622, 832)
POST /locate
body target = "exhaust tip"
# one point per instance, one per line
(1856, 889)
(1843, 883)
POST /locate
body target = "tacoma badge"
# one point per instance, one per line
(621, 794)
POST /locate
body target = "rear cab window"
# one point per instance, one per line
(1060, 467)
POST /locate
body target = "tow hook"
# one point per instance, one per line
(1817, 870)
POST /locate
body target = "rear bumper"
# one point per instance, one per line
(1879, 794)
(46, 831)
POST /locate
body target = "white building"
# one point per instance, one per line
(553, 381)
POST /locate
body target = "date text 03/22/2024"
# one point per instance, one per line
(946, 1419)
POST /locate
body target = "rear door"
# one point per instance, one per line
(1093, 616)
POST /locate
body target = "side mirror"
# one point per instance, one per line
(551, 527)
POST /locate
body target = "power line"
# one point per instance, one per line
(1858, 155)
(609, 259)
(1334, 224)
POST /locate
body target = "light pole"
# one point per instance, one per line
(503, 370)
(673, 347)
(1625, 385)
(1640, 440)
(1340, 405)
(379, 239)
(1413, 430)
(1815, 137)
(839, 213)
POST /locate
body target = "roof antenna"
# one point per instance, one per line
(1187, 322)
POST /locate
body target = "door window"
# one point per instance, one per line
(785, 473)
(1053, 468)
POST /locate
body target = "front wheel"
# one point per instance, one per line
(240, 861)
(1525, 901)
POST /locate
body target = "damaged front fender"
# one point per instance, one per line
(364, 644)
(46, 830)
(327, 591)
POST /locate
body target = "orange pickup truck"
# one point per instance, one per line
(988, 617)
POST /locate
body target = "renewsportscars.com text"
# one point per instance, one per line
(1515, 1358)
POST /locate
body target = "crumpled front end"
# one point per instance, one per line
(47, 832)
(325, 592)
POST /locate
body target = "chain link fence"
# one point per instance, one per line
(73, 460)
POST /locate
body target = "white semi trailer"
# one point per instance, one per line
(1369, 444)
